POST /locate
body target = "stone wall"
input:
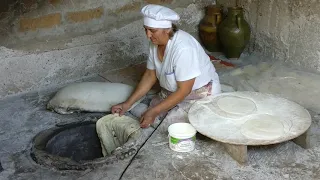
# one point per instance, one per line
(284, 30)
(46, 43)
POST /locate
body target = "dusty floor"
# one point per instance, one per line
(25, 115)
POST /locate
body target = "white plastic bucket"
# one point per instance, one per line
(182, 137)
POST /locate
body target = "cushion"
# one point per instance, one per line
(90, 97)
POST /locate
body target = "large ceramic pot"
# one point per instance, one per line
(234, 33)
(208, 28)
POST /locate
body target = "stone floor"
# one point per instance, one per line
(25, 115)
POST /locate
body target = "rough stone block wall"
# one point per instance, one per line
(84, 16)
(45, 43)
(285, 30)
(46, 21)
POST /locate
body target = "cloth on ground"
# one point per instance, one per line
(282, 79)
(114, 131)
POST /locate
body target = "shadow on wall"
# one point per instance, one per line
(9, 9)
(5, 5)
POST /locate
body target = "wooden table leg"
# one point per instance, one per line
(237, 152)
(303, 140)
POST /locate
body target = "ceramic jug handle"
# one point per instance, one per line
(218, 19)
(238, 22)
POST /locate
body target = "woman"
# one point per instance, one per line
(177, 61)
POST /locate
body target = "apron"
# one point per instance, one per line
(179, 113)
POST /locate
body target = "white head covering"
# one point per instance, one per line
(157, 16)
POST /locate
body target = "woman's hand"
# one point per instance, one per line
(120, 108)
(148, 118)
(149, 78)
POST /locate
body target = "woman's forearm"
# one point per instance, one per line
(148, 80)
(171, 101)
(184, 89)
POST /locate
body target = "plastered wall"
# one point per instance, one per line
(284, 30)
(45, 43)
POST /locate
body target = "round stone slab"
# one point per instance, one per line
(249, 118)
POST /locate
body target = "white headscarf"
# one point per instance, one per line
(157, 16)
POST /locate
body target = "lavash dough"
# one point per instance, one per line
(236, 105)
(263, 127)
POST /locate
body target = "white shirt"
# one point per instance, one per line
(184, 59)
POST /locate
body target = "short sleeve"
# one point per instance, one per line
(186, 64)
(150, 62)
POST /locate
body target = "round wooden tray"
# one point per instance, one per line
(249, 118)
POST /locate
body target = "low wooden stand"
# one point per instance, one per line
(240, 152)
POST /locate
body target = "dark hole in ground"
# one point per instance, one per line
(74, 146)
(1, 169)
(77, 143)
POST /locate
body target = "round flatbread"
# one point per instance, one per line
(263, 127)
(236, 105)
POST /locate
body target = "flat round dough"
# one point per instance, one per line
(263, 127)
(236, 105)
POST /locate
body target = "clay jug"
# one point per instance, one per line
(208, 28)
(234, 33)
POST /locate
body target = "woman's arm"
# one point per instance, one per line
(184, 89)
(149, 78)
